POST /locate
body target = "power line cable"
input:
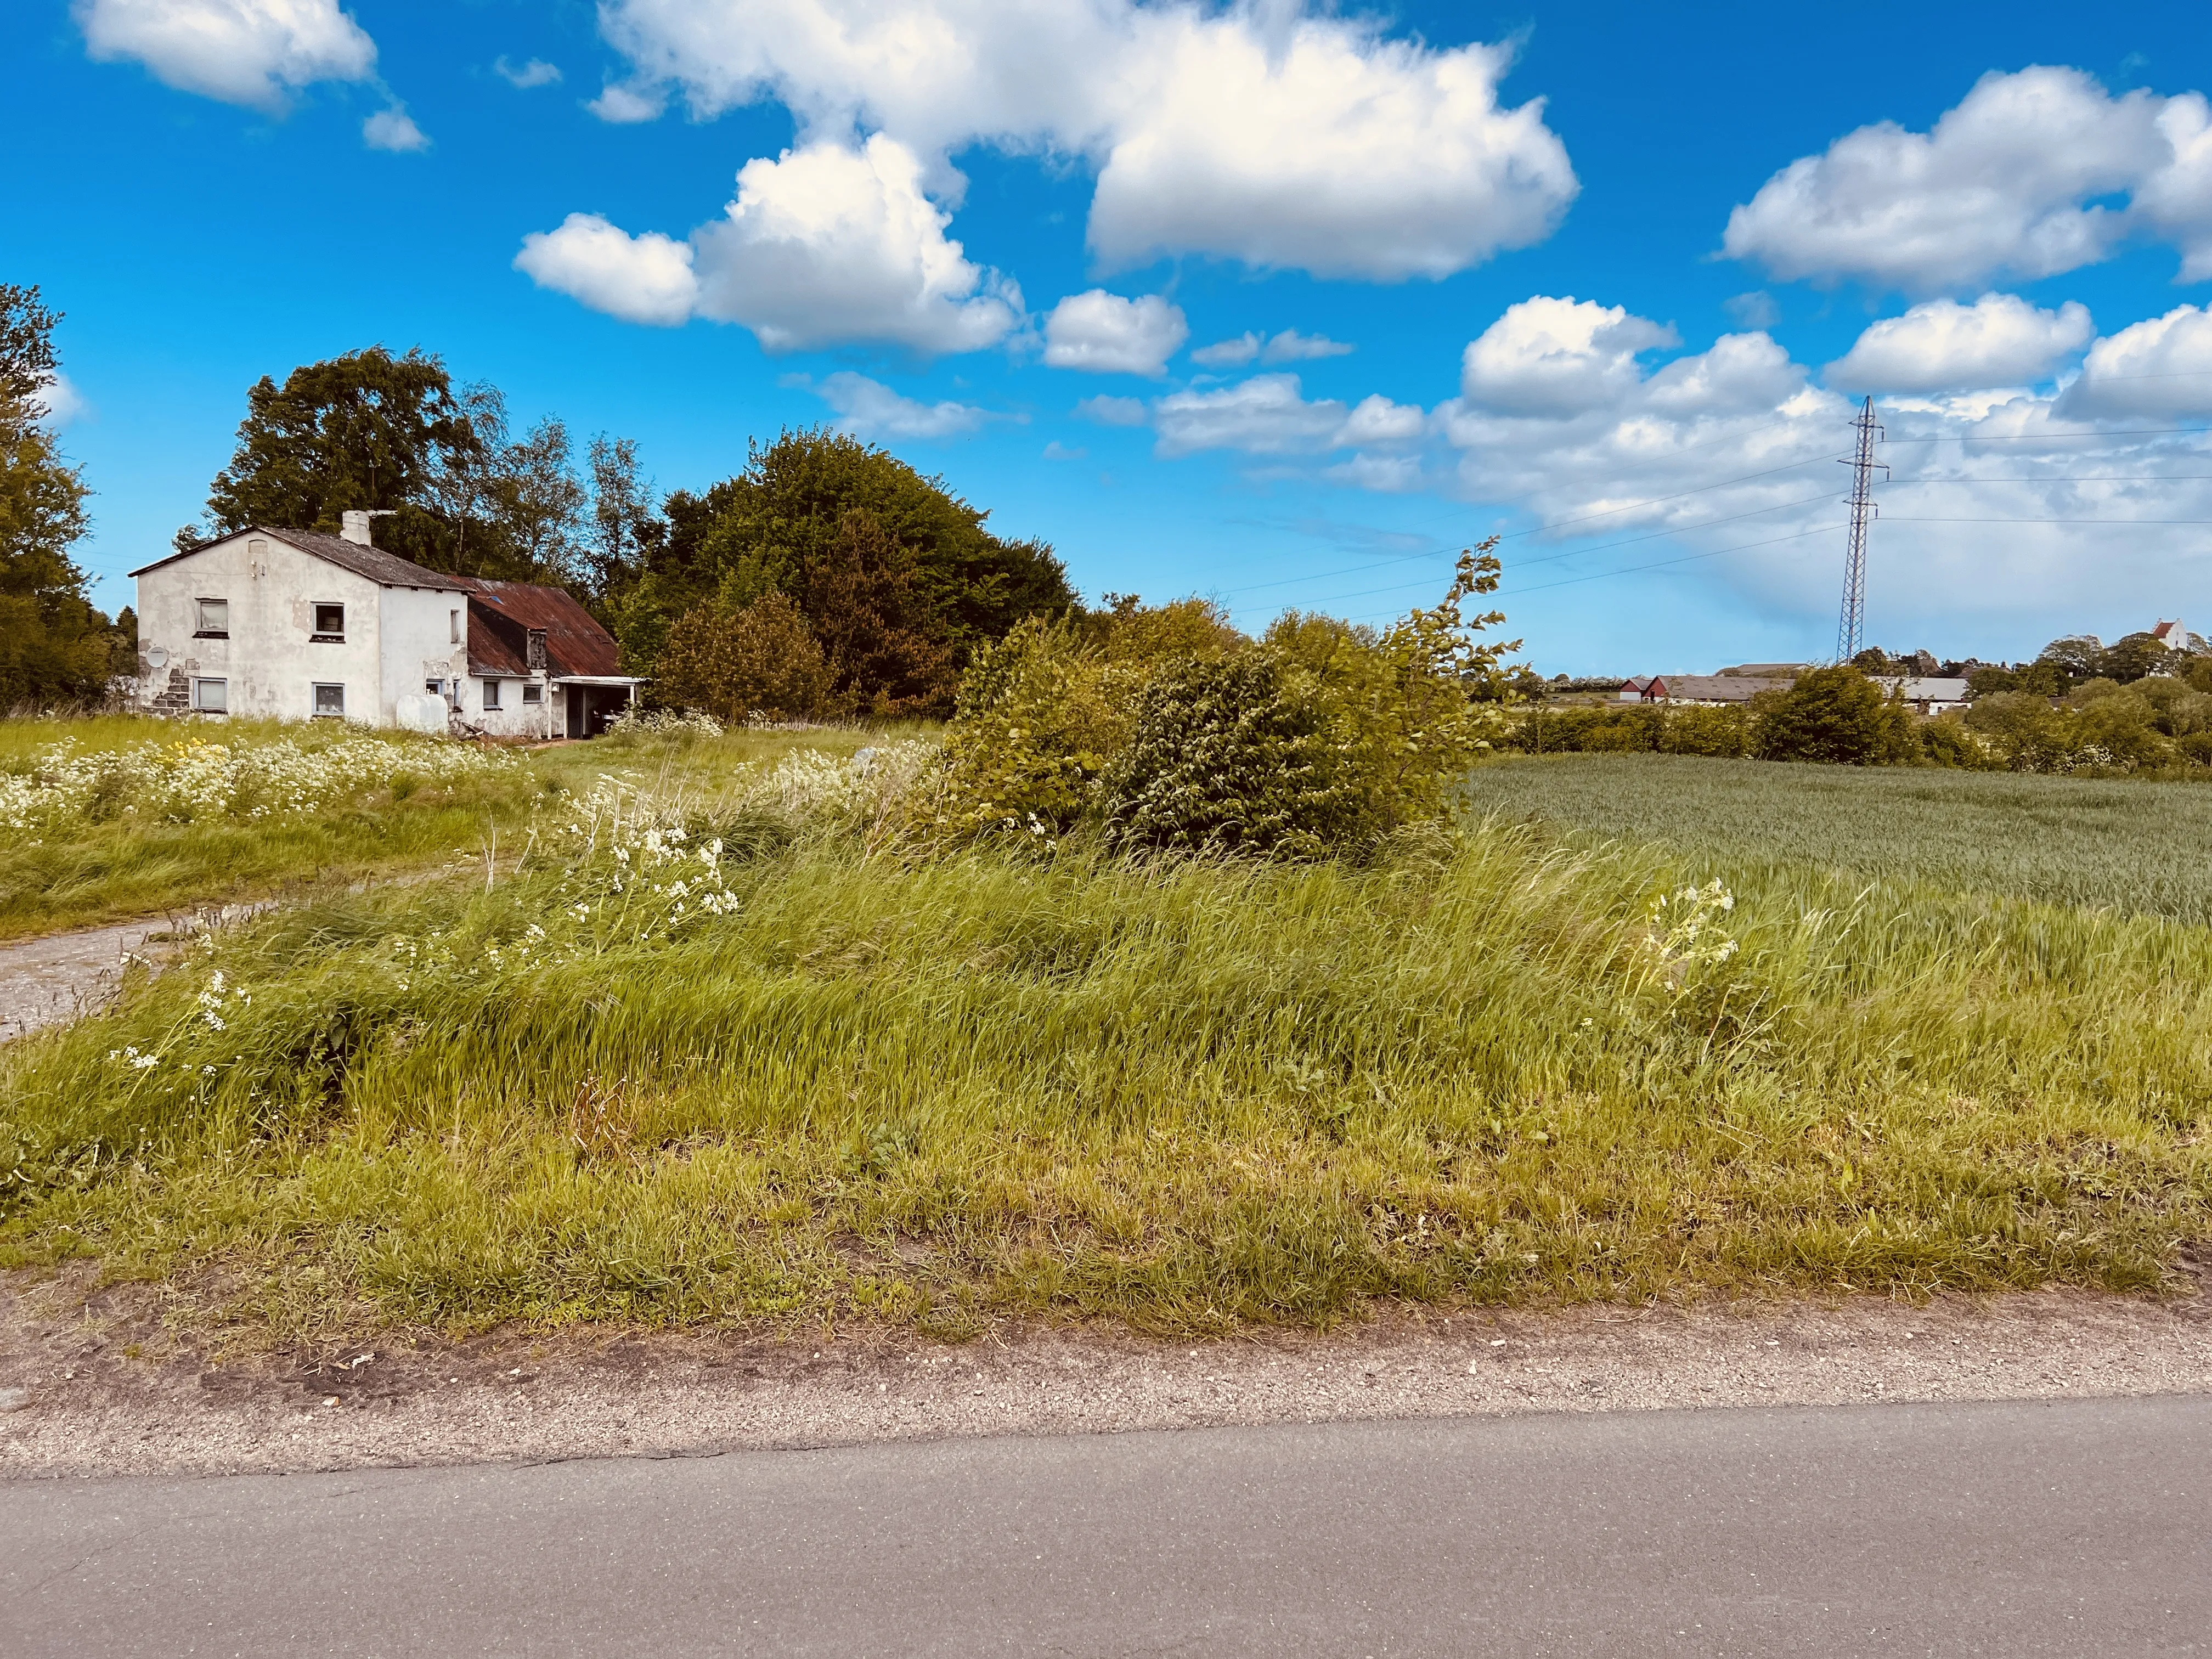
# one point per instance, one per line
(1578, 552)
(1430, 553)
(1657, 565)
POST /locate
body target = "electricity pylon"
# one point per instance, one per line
(1850, 631)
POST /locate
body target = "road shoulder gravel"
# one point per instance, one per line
(90, 1386)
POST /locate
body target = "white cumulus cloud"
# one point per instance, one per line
(1557, 357)
(2160, 367)
(535, 73)
(1292, 347)
(1229, 354)
(1288, 347)
(1943, 346)
(241, 52)
(1262, 132)
(1106, 334)
(1319, 145)
(639, 279)
(1270, 415)
(831, 244)
(822, 245)
(2018, 180)
(393, 128)
(1266, 415)
(869, 409)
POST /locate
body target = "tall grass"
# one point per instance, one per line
(2132, 847)
(107, 864)
(1185, 1093)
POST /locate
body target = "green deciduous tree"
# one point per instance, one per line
(372, 431)
(1837, 715)
(55, 646)
(768, 528)
(364, 430)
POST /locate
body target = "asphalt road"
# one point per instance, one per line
(2074, 1527)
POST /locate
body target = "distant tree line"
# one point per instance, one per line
(2156, 723)
(825, 577)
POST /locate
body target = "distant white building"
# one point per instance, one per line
(1927, 694)
(293, 624)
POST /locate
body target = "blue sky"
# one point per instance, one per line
(1603, 278)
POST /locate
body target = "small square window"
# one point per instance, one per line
(330, 701)
(435, 687)
(491, 694)
(330, 622)
(211, 619)
(212, 697)
(533, 692)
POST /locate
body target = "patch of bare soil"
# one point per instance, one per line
(91, 1383)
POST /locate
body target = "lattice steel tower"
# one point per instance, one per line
(1864, 511)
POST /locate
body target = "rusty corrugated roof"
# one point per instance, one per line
(501, 614)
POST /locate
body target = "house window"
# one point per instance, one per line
(212, 619)
(330, 701)
(435, 687)
(533, 692)
(212, 697)
(453, 622)
(491, 694)
(330, 622)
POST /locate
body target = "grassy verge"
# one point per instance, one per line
(824, 1081)
(126, 857)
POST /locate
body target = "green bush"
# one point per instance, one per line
(1728, 733)
(1947, 743)
(1039, 714)
(1838, 716)
(1164, 727)
(1236, 754)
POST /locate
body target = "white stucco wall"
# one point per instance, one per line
(271, 661)
(418, 645)
(514, 718)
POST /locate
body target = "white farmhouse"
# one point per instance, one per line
(292, 625)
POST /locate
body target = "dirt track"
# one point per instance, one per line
(74, 1402)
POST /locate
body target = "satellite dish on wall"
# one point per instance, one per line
(156, 658)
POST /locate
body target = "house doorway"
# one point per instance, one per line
(591, 708)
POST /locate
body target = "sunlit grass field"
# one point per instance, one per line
(112, 863)
(822, 1073)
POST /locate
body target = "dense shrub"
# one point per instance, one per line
(1039, 712)
(1838, 716)
(759, 661)
(1727, 732)
(1237, 753)
(1164, 727)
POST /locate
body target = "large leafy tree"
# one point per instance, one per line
(366, 430)
(769, 529)
(55, 646)
(369, 429)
